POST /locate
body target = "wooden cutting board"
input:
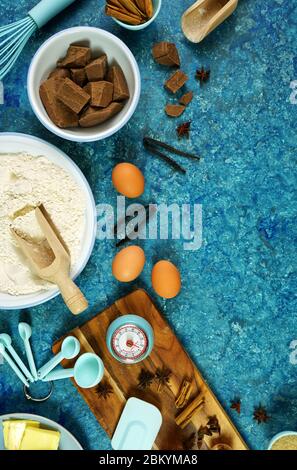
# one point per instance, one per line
(167, 352)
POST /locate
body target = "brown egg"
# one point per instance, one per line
(128, 180)
(166, 279)
(128, 263)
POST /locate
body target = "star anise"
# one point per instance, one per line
(260, 414)
(103, 390)
(183, 130)
(236, 405)
(145, 379)
(162, 378)
(213, 425)
(202, 75)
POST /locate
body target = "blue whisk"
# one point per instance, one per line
(13, 37)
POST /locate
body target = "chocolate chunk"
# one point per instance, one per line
(59, 73)
(101, 93)
(77, 57)
(120, 86)
(59, 113)
(166, 53)
(174, 110)
(94, 116)
(79, 76)
(176, 81)
(186, 98)
(73, 96)
(97, 69)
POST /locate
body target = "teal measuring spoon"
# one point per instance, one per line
(87, 372)
(5, 339)
(69, 349)
(25, 332)
(13, 365)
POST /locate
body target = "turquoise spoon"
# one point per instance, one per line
(7, 342)
(69, 349)
(13, 365)
(87, 372)
(25, 332)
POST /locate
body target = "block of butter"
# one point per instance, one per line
(13, 431)
(40, 439)
(27, 435)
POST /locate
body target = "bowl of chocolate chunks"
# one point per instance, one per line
(84, 84)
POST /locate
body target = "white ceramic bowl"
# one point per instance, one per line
(157, 7)
(15, 143)
(279, 435)
(100, 41)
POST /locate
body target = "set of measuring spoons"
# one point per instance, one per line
(87, 371)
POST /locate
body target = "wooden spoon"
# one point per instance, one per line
(204, 16)
(50, 260)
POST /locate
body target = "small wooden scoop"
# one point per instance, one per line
(204, 16)
(50, 260)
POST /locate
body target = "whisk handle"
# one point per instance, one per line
(45, 10)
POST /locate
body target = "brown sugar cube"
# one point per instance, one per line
(59, 113)
(94, 116)
(101, 93)
(166, 53)
(176, 81)
(79, 76)
(96, 70)
(174, 110)
(77, 57)
(120, 86)
(186, 98)
(73, 96)
(59, 73)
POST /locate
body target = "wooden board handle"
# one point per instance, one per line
(72, 295)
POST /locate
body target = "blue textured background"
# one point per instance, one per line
(236, 314)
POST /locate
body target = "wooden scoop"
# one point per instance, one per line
(50, 260)
(204, 16)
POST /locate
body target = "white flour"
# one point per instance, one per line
(26, 181)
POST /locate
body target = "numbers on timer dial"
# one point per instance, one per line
(129, 342)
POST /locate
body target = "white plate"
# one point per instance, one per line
(15, 143)
(67, 442)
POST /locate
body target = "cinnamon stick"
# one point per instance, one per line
(131, 7)
(184, 393)
(149, 9)
(121, 15)
(186, 416)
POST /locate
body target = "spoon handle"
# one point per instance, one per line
(59, 374)
(72, 295)
(50, 365)
(30, 359)
(15, 368)
(20, 363)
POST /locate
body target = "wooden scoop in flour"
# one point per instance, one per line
(50, 260)
(204, 16)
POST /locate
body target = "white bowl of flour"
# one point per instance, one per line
(33, 172)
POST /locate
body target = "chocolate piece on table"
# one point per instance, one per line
(59, 73)
(101, 93)
(73, 96)
(176, 81)
(79, 76)
(60, 114)
(174, 110)
(94, 116)
(96, 70)
(186, 98)
(165, 53)
(77, 57)
(120, 86)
